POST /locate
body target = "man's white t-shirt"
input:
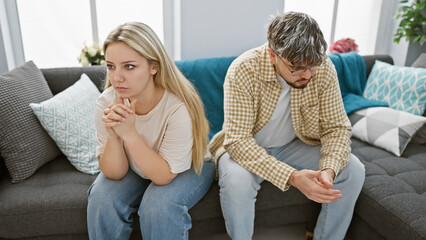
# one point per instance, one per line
(167, 129)
(279, 130)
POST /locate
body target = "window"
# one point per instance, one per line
(359, 20)
(54, 31)
(321, 11)
(112, 13)
(354, 19)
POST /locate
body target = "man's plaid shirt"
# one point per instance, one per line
(251, 92)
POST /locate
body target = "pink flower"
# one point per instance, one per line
(343, 46)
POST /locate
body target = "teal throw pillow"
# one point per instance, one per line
(403, 88)
(69, 119)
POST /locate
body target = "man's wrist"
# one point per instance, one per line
(291, 178)
(330, 172)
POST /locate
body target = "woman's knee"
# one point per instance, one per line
(158, 206)
(109, 194)
(178, 196)
(99, 204)
(98, 191)
(153, 206)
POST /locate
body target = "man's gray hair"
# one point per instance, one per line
(297, 37)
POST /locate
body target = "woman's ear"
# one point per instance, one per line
(154, 69)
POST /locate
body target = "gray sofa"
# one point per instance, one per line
(51, 204)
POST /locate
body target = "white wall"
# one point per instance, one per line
(227, 28)
(224, 28)
(387, 28)
(3, 60)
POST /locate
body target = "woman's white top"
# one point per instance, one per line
(167, 129)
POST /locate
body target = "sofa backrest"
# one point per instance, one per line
(207, 75)
(59, 79)
(370, 59)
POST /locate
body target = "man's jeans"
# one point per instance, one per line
(163, 210)
(239, 187)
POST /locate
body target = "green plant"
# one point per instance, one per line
(413, 21)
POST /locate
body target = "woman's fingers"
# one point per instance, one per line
(110, 123)
(117, 112)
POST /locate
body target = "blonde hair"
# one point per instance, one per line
(143, 39)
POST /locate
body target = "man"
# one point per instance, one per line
(285, 123)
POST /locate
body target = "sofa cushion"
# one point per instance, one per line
(393, 198)
(420, 136)
(403, 88)
(385, 128)
(420, 61)
(208, 76)
(51, 202)
(69, 118)
(24, 144)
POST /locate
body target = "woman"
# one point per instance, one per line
(152, 135)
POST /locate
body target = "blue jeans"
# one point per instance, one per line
(239, 187)
(163, 210)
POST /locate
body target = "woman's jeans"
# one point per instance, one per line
(239, 187)
(162, 210)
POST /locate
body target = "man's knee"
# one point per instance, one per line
(358, 169)
(353, 173)
(237, 180)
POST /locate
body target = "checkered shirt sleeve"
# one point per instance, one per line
(320, 118)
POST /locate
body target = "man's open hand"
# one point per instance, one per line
(316, 185)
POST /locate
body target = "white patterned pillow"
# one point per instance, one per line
(69, 119)
(386, 128)
(403, 88)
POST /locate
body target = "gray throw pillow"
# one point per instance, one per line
(420, 136)
(24, 144)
